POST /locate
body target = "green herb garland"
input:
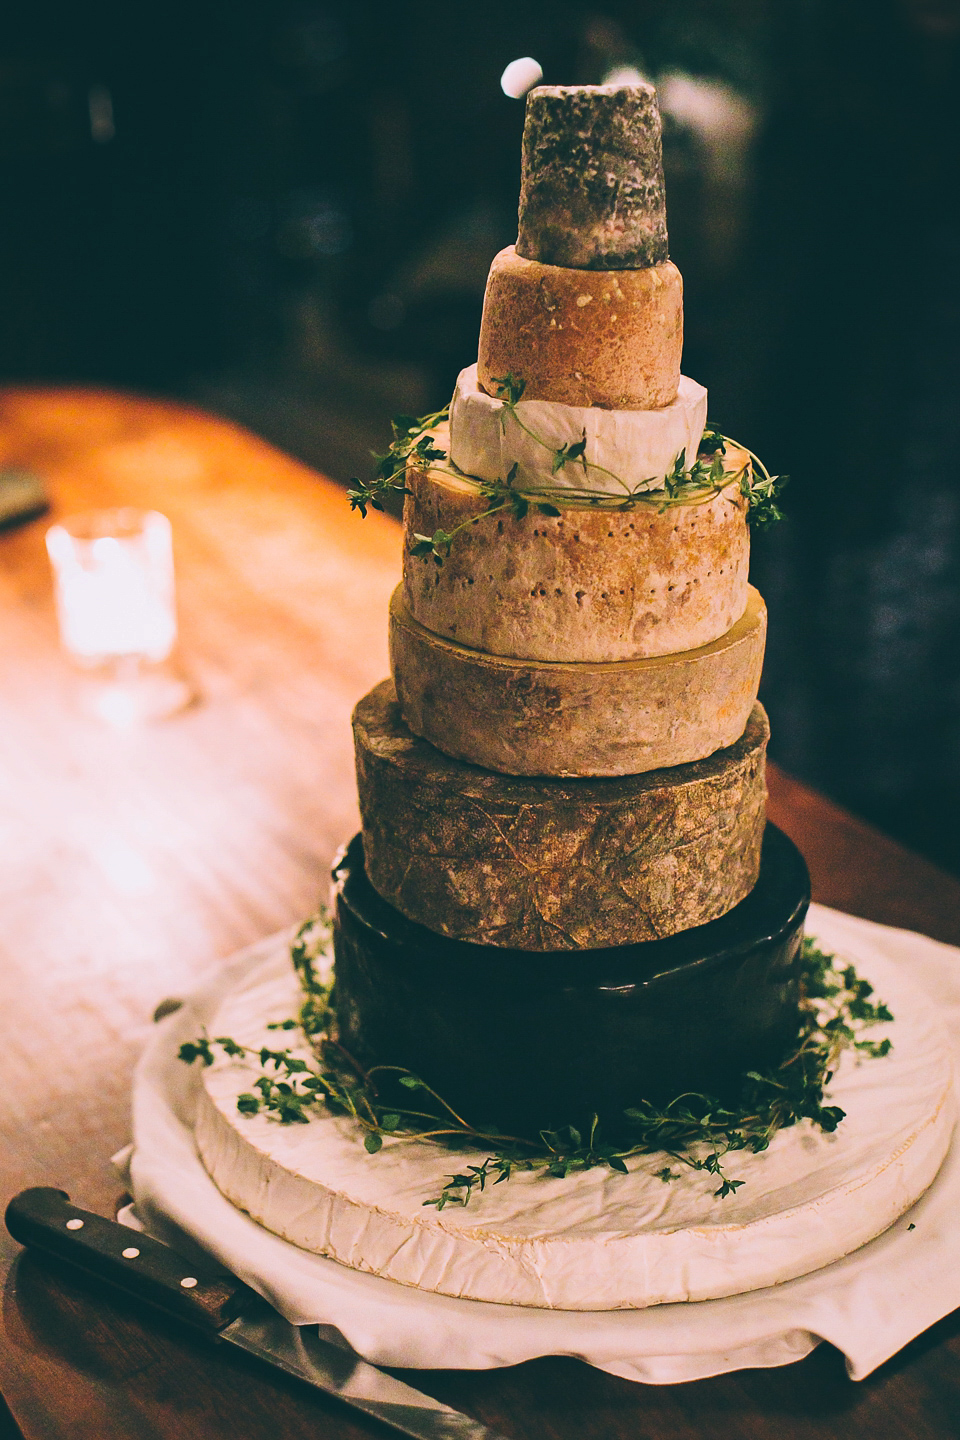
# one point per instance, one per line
(415, 443)
(695, 1131)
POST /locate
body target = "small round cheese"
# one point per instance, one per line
(583, 337)
(591, 191)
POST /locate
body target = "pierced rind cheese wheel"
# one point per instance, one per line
(583, 337)
(537, 717)
(625, 449)
(549, 864)
(587, 585)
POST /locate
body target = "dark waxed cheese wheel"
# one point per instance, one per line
(525, 1041)
(544, 864)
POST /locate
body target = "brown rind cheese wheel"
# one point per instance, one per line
(546, 864)
(538, 717)
(586, 585)
(583, 337)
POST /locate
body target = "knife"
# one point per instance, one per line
(223, 1308)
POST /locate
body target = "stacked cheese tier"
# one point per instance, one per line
(570, 757)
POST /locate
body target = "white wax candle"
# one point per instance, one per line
(115, 592)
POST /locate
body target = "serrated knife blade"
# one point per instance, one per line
(226, 1309)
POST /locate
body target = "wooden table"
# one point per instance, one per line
(131, 861)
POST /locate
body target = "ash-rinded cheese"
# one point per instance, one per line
(591, 190)
(598, 1240)
(583, 585)
(583, 337)
(625, 449)
(543, 864)
(537, 717)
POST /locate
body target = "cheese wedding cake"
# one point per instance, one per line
(565, 897)
(567, 946)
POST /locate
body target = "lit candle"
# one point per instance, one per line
(114, 585)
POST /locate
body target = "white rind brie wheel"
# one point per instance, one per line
(637, 447)
(599, 1240)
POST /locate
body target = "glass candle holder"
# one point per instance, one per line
(113, 573)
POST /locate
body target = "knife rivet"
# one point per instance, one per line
(188, 1282)
(74, 1224)
(130, 1253)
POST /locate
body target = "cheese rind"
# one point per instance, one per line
(625, 449)
(544, 864)
(590, 585)
(535, 717)
(583, 337)
(592, 1241)
(591, 190)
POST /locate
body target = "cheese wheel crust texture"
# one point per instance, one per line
(583, 337)
(546, 864)
(587, 585)
(537, 717)
(591, 191)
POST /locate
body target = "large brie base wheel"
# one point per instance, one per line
(597, 1241)
(531, 717)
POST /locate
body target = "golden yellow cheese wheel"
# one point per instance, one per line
(538, 717)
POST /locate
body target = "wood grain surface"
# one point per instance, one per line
(131, 862)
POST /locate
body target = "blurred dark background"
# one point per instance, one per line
(286, 213)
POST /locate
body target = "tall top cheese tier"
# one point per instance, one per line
(594, 640)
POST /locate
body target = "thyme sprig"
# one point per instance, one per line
(415, 443)
(412, 442)
(694, 1131)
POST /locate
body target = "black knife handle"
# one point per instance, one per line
(145, 1268)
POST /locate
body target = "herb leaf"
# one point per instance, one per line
(697, 1132)
(415, 444)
